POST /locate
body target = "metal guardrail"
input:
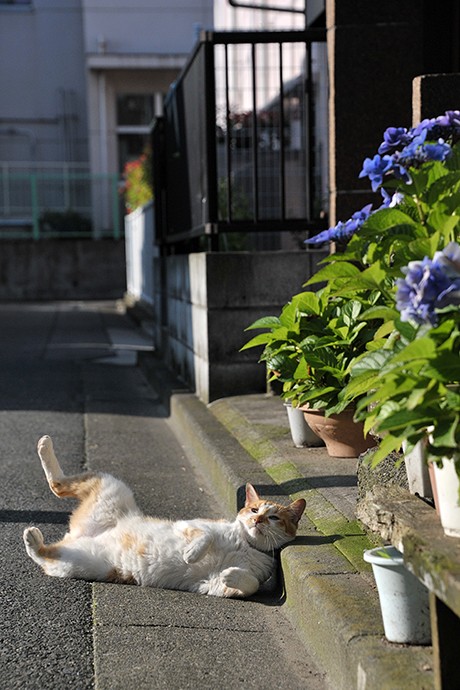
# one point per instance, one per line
(236, 149)
(58, 201)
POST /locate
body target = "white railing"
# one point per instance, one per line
(140, 253)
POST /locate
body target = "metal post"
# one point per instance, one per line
(35, 209)
(115, 208)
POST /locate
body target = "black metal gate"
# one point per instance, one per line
(237, 148)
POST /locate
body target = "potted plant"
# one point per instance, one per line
(310, 347)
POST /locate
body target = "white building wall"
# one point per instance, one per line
(42, 82)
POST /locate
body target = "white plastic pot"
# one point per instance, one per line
(301, 433)
(447, 488)
(403, 598)
(417, 470)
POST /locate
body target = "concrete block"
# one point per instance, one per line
(433, 94)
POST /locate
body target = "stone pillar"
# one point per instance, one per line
(433, 94)
(374, 52)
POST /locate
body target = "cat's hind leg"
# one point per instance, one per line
(76, 559)
(45, 556)
(232, 582)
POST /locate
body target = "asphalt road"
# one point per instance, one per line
(61, 375)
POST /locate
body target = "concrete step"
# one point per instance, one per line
(330, 593)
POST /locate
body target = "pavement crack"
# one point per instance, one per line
(179, 626)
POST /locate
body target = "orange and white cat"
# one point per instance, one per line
(110, 540)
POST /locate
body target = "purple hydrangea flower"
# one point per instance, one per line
(393, 137)
(451, 118)
(429, 285)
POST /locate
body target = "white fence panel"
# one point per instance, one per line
(140, 252)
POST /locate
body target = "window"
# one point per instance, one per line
(134, 115)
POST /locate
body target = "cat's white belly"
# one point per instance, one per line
(153, 553)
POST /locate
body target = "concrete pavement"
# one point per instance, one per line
(70, 370)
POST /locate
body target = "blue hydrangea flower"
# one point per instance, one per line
(429, 285)
(390, 200)
(437, 151)
(342, 231)
(375, 168)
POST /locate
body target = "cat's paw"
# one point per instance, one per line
(44, 445)
(192, 553)
(231, 577)
(241, 580)
(33, 539)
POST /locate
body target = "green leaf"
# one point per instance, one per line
(370, 362)
(405, 418)
(380, 312)
(265, 322)
(444, 433)
(387, 445)
(360, 385)
(338, 269)
(261, 339)
(307, 302)
(288, 316)
(421, 348)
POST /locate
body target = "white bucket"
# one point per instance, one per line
(403, 598)
(301, 433)
(417, 470)
(447, 488)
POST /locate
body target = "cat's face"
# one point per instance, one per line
(269, 525)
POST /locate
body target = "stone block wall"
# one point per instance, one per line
(62, 269)
(208, 301)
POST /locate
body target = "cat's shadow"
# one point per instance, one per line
(44, 517)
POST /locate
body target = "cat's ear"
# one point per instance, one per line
(251, 495)
(297, 509)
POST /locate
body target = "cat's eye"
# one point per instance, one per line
(254, 510)
(273, 517)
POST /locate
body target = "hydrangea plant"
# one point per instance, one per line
(398, 266)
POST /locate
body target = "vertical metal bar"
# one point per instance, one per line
(309, 158)
(115, 207)
(282, 172)
(210, 141)
(228, 149)
(35, 210)
(6, 182)
(255, 161)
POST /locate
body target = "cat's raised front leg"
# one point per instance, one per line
(198, 547)
(240, 582)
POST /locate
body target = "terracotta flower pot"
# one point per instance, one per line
(343, 437)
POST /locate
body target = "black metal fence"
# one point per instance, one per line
(238, 149)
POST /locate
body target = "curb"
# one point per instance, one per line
(332, 604)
